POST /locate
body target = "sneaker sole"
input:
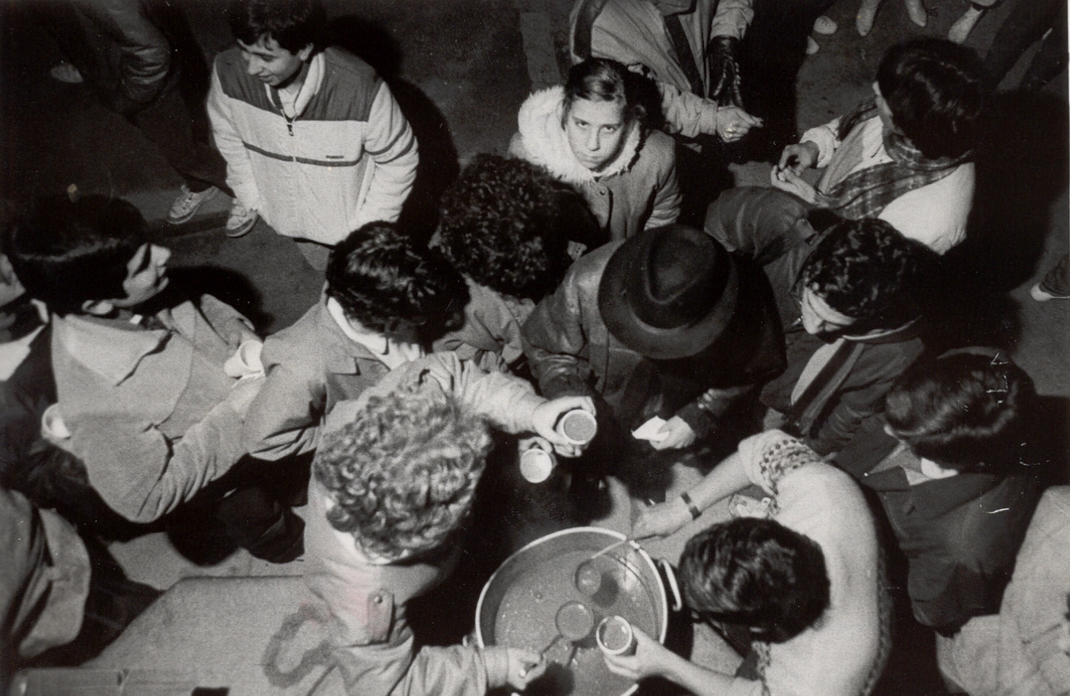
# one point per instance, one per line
(243, 230)
(1041, 295)
(193, 213)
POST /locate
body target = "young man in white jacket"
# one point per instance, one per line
(314, 141)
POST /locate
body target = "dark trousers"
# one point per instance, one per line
(774, 49)
(175, 120)
(1024, 26)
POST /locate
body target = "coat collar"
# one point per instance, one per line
(546, 144)
(91, 341)
(936, 496)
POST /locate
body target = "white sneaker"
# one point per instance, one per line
(825, 25)
(188, 203)
(1038, 293)
(241, 220)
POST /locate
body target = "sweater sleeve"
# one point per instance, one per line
(392, 146)
(771, 455)
(686, 113)
(229, 143)
(391, 668)
(826, 137)
(167, 472)
(507, 402)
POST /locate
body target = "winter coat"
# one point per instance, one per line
(636, 191)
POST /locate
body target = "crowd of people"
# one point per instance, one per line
(772, 337)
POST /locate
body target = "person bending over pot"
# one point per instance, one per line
(665, 324)
(794, 585)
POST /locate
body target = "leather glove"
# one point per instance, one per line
(724, 71)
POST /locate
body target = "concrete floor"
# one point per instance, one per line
(461, 69)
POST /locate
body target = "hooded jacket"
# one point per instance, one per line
(636, 191)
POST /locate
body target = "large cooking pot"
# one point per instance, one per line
(519, 604)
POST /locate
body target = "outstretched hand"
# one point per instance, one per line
(525, 667)
(650, 659)
(675, 434)
(547, 415)
(733, 123)
(790, 182)
(662, 519)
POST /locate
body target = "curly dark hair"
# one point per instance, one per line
(964, 410)
(403, 473)
(294, 24)
(933, 88)
(390, 284)
(66, 253)
(757, 573)
(506, 224)
(866, 270)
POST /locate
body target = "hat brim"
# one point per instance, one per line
(651, 341)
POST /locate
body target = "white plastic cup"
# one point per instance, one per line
(536, 465)
(615, 636)
(577, 426)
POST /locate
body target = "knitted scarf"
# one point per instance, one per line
(866, 192)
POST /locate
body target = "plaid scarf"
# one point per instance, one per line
(866, 192)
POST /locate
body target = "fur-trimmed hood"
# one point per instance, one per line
(543, 142)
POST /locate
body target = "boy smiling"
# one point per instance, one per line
(314, 141)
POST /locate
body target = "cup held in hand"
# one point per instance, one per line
(615, 636)
(578, 427)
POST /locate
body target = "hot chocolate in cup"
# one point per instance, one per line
(615, 636)
(577, 426)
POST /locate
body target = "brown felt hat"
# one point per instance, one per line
(668, 292)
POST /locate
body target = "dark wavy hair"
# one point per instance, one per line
(964, 410)
(933, 88)
(66, 253)
(602, 79)
(866, 270)
(389, 284)
(294, 24)
(403, 473)
(756, 573)
(506, 224)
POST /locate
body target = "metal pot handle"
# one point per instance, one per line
(670, 578)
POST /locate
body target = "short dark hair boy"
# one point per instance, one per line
(294, 24)
(387, 298)
(70, 253)
(390, 285)
(757, 574)
(933, 89)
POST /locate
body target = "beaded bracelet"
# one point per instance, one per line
(691, 507)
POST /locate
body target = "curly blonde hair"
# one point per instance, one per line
(403, 473)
